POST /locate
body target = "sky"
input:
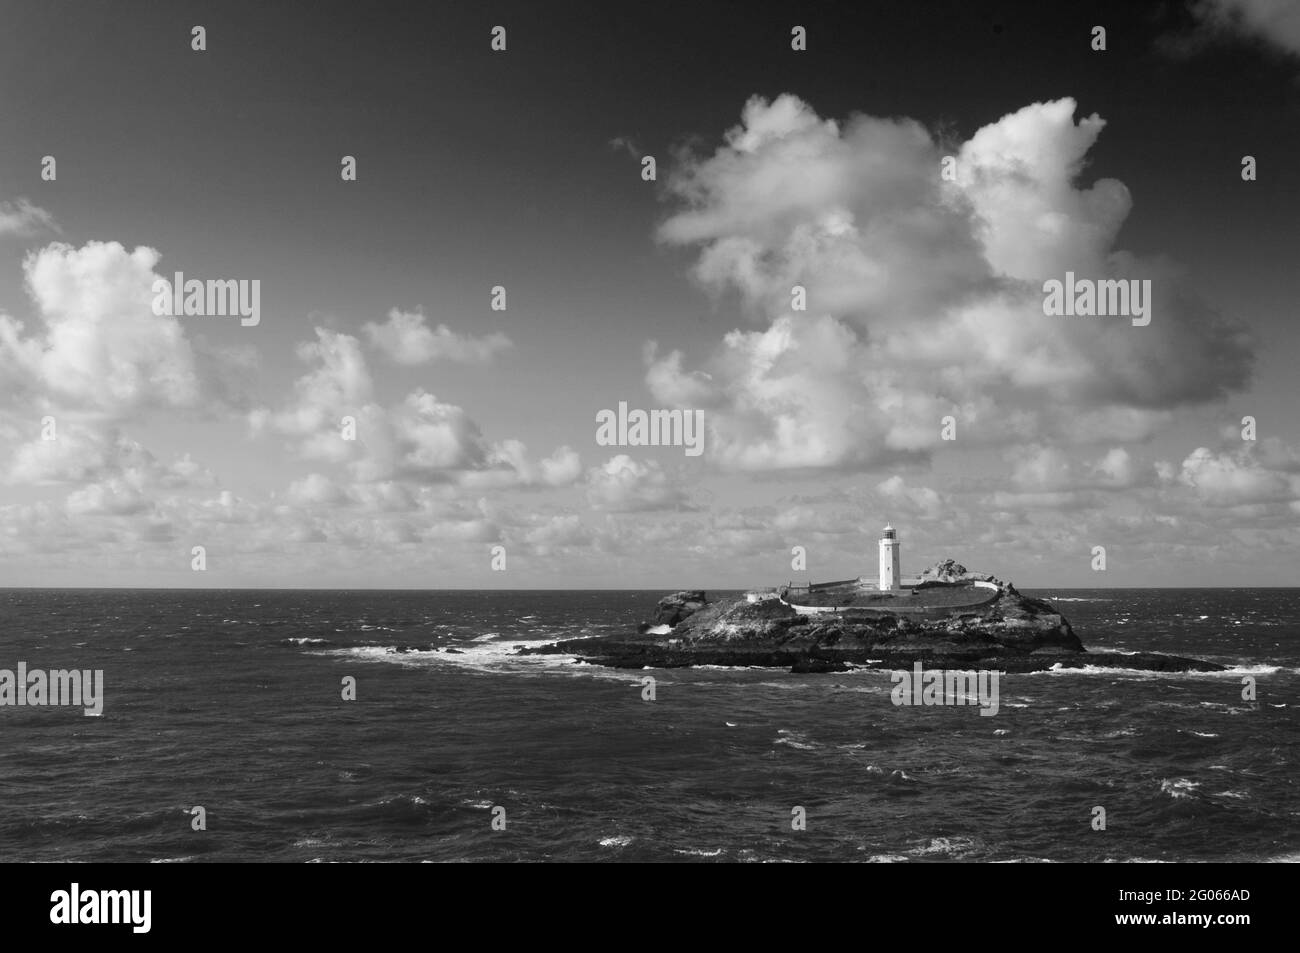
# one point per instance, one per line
(919, 170)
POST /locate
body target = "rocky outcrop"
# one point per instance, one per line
(949, 572)
(672, 609)
(1008, 632)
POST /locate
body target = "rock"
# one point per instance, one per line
(947, 626)
(951, 571)
(671, 610)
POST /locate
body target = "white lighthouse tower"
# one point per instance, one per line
(889, 574)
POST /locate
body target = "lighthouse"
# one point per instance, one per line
(889, 574)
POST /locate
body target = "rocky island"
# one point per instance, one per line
(947, 617)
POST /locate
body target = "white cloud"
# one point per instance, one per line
(1235, 479)
(508, 464)
(315, 489)
(420, 439)
(24, 218)
(916, 501)
(1115, 469)
(112, 474)
(924, 297)
(406, 339)
(625, 485)
(857, 214)
(556, 533)
(1018, 175)
(1276, 21)
(102, 349)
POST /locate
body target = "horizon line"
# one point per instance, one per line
(542, 589)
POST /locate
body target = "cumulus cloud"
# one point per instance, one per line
(1044, 477)
(88, 454)
(406, 339)
(100, 347)
(625, 485)
(917, 501)
(508, 464)
(857, 214)
(420, 439)
(315, 489)
(557, 533)
(112, 475)
(924, 296)
(1236, 478)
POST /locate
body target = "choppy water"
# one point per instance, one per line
(232, 701)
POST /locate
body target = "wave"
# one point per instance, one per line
(1235, 671)
(493, 658)
(1178, 788)
(795, 739)
(946, 847)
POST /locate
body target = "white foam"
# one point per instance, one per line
(1178, 787)
(796, 739)
(490, 658)
(945, 846)
(1234, 672)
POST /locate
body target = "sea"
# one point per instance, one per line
(454, 748)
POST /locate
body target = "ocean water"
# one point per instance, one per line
(232, 700)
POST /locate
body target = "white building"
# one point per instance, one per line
(890, 577)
